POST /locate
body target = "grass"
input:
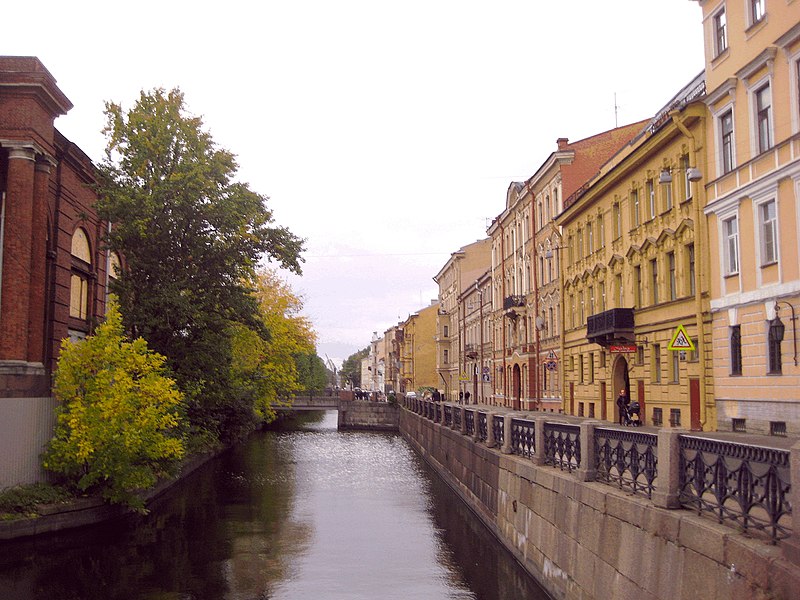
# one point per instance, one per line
(22, 500)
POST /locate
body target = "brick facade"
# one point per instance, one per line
(46, 187)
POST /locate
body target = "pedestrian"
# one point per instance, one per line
(622, 404)
(466, 397)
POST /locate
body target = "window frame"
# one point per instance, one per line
(727, 141)
(762, 117)
(735, 349)
(730, 241)
(757, 10)
(719, 23)
(770, 225)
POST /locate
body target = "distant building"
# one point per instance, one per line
(54, 270)
(457, 275)
(752, 72)
(418, 351)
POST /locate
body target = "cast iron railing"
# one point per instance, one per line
(457, 418)
(522, 437)
(469, 421)
(562, 445)
(628, 459)
(437, 412)
(746, 485)
(448, 415)
(498, 429)
(483, 427)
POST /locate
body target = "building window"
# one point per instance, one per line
(602, 359)
(602, 296)
(774, 339)
(639, 355)
(658, 417)
(446, 357)
(756, 11)
(690, 261)
(79, 279)
(656, 376)
(579, 247)
(651, 198)
(601, 232)
(768, 224)
(736, 349)
(654, 279)
(580, 367)
(687, 184)
(570, 251)
(446, 331)
(673, 291)
(590, 293)
(763, 118)
(675, 417)
(676, 367)
(635, 207)
(581, 314)
(591, 367)
(726, 141)
(589, 238)
(617, 221)
(667, 188)
(620, 292)
(637, 286)
(720, 32)
(730, 229)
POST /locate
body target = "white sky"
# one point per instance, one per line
(386, 133)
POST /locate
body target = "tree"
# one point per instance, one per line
(265, 367)
(119, 419)
(191, 238)
(351, 368)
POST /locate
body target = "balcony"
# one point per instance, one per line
(611, 326)
(513, 301)
(471, 350)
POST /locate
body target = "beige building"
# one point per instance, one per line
(459, 272)
(418, 350)
(633, 273)
(752, 70)
(476, 333)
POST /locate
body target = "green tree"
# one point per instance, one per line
(191, 238)
(351, 368)
(264, 367)
(312, 372)
(118, 425)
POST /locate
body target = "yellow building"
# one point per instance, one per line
(459, 272)
(752, 53)
(418, 350)
(633, 276)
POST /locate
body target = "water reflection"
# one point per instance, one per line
(309, 513)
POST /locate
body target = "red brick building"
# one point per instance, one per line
(53, 267)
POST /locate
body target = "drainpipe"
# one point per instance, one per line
(700, 256)
(2, 240)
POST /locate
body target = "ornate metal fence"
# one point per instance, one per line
(498, 429)
(522, 437)
(448, 415)
(483, 427)
(438, 412)
(469, 421)
(562, 445)
(628, 459)
(743, 484)
(457, 418)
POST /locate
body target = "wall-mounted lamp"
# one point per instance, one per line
(794, 328)
(692, 174)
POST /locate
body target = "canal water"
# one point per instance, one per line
(304, 513)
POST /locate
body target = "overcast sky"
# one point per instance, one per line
(386, 133)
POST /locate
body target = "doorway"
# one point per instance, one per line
(620, 381)
(516, 378)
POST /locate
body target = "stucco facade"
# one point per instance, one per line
(753, 186)
(633, 273)
(418, 353)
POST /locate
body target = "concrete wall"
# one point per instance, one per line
(26, 425)
(590, 540)
(380, 416)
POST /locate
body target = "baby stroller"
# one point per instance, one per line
(633, 414)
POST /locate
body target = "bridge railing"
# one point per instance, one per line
(743, 485)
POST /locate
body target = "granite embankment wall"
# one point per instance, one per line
(591, 540)
(379, 416)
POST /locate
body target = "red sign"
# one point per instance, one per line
(624, 348)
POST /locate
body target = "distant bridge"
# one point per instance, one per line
(353, 414)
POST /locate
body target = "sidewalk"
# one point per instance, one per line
(751, 439)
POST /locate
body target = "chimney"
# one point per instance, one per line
(562, 143)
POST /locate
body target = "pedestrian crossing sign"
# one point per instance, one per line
(681, 340)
